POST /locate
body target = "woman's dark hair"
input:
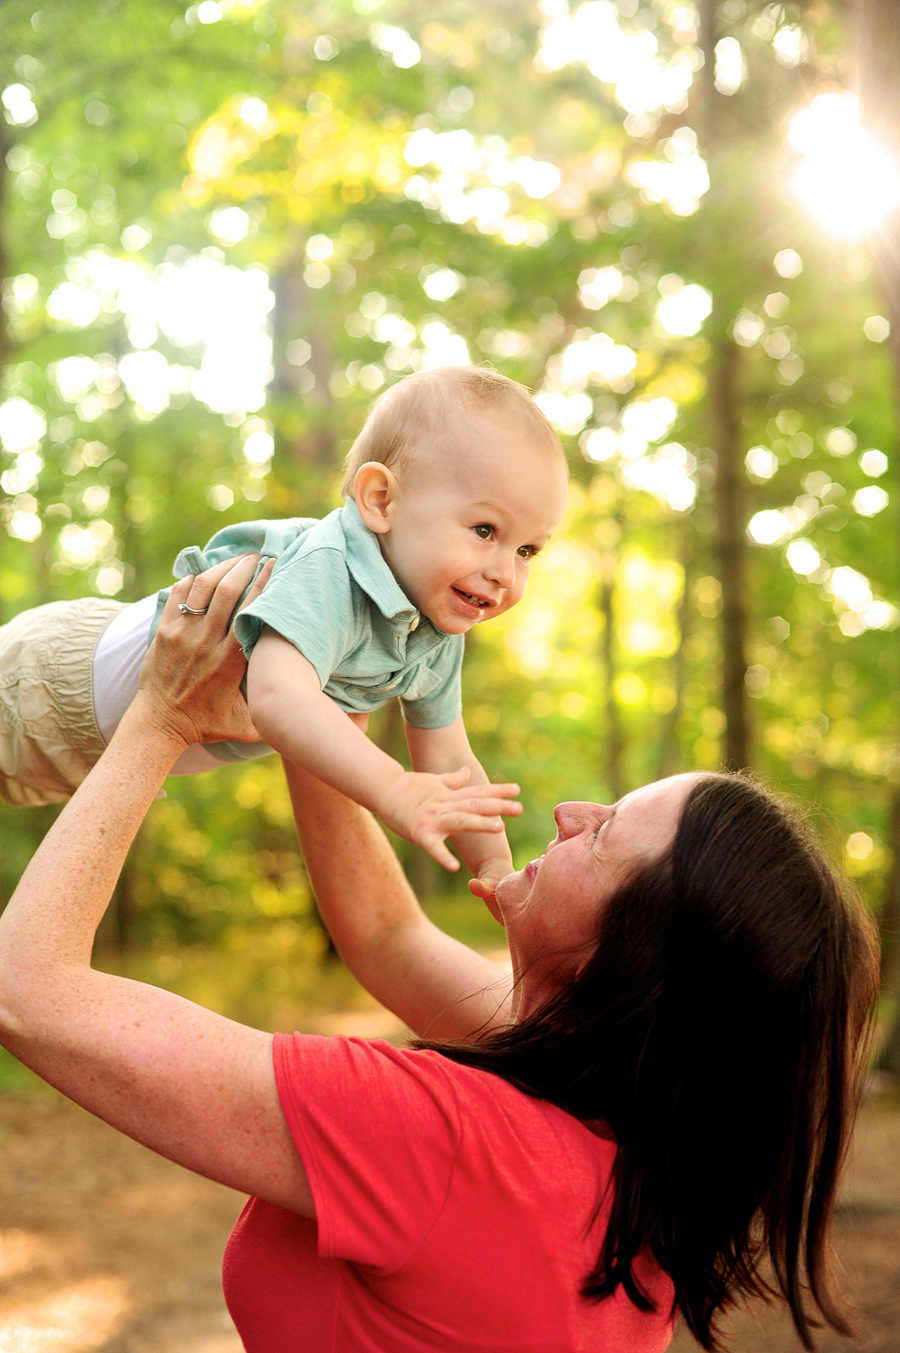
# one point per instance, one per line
(718, 1028)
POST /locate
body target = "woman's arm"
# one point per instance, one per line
(439, 987)
(190, 1084)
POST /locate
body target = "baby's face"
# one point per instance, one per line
(469, 517)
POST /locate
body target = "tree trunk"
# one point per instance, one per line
(291, 319)
(723, 403)
(612, 759)
(889, 916)
(877, 43)
(731, 551)
(669, 754)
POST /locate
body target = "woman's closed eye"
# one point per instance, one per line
(605, 823)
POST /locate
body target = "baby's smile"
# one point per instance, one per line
(472, 598)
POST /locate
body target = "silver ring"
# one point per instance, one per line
(189, 610)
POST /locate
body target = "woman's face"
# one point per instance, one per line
(551, 906)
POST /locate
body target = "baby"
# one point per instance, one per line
(455, 483)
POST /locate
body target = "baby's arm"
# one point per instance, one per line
(301, 722)
(439, 750)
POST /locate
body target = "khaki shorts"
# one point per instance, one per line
(49, 738)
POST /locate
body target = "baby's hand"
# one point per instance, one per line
(427, 808)
(489, 875)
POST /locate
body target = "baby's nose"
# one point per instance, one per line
(501, 569)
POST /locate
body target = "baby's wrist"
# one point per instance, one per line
(386, 790)
(503, 854)
(493, 865)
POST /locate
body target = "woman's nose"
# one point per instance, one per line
(572, 818)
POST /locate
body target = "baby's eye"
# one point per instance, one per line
(526, 551)
(483, 530)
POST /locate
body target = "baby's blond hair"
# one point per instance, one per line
(420, 407)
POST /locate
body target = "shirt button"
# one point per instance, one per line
(414, 623)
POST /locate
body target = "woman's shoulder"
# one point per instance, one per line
(492, 1106)
(479, 1104)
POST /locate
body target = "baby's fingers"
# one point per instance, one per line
(481, 888)
(509, 791)
(455, 779)
(438, 851)
(460, 821)
(488, 805)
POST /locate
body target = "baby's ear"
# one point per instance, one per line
(375, 490)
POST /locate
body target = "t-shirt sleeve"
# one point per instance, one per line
(244, 537)
(378, 1131)
(443, 704)
(307, 601)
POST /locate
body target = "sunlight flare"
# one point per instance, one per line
(845, 180)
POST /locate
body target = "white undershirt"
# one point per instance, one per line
(118, 659)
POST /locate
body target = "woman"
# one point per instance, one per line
(659, 1100)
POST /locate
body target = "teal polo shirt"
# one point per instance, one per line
(332, 595)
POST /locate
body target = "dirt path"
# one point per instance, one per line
(104, 1246)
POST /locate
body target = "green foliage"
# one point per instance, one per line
(151, 124)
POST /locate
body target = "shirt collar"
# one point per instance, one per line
(369, 570)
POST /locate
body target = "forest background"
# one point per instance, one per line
(224, 229)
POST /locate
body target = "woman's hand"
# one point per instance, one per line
(190, 681)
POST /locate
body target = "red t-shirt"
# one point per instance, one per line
(453, 1213)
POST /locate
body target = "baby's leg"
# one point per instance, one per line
(117, 663)
(49, 737)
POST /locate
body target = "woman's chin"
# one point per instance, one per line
(508, 895)
(493, 907)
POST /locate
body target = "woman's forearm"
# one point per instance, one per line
(348, 857)
(189, 692)
(51, 920)
(188, 1083)
(437, 986)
